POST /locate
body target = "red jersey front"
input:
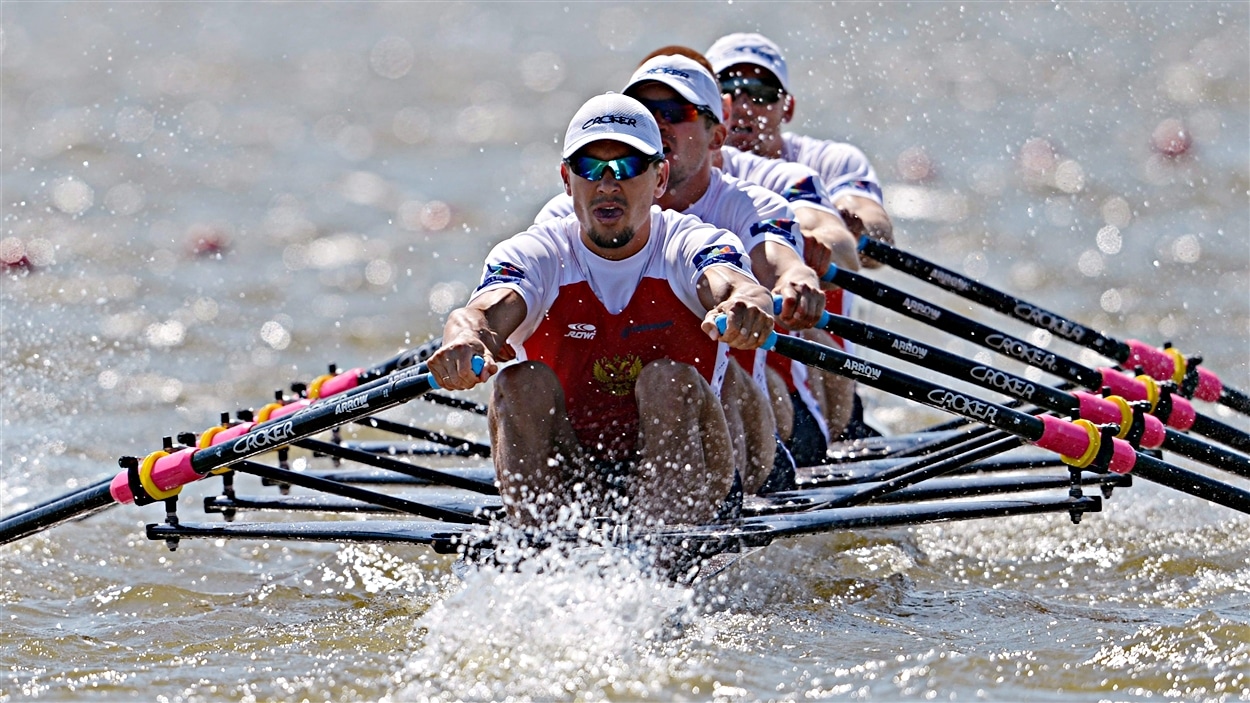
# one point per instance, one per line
(598, 322)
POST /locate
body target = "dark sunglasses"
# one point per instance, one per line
(757, 90)
(675, 111)
(623, 169)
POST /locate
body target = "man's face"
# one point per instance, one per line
(758, 109)
(613, 211)
(687, 144)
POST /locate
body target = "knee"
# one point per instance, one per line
(665, 378)
(525, 384)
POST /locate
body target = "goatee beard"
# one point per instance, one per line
(625, 236)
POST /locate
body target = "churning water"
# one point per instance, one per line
(203, 202)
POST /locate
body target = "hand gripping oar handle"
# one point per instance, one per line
(1079, 443)
(1174, 410)
(162, 475)
(1161, 364)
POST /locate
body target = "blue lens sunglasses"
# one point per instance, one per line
(623, 169)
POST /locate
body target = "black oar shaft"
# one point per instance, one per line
(370, 398)
(75, 505)
(1007, 345)
(951, 365)
(1002, 302)
(999, 381)
(1207, 386)
(1025, 426)
(966, 328)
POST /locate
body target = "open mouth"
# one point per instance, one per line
(608, 212)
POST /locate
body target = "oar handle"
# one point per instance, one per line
(1170, 365)
(722, 323)
(824, 314)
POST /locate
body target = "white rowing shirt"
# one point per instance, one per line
(799, 185)
(754, 213)
(843, 168)
(750, 211)
(598, 322)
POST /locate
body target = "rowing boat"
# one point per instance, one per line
(384, 489)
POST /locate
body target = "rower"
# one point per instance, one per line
(688, 106)
(800, 398)
(752, 71)
(613, 410)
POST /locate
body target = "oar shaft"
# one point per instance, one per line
(75, 505)
(155, 479)
(1060, 436)
(1161, 364)
(991, 298)
(1182, 415)
(1046, 432)
(965, 328)
(1084, 405)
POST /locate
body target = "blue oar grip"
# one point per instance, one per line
(830, 273)
(863, 239)
(478, 364)
(824, 314)
(722, 322)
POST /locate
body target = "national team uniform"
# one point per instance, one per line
(844, 170)
(596, 323)
(802, 187)
(754, 213)
(750, 211)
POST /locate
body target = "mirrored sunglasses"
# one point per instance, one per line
(757, 90)
(675, 111)
(623, 169)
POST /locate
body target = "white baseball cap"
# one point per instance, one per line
(616, 117)
(687, 77)
(751, 48)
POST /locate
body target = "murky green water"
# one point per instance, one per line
(357, 160)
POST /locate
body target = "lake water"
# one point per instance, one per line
(353, 162)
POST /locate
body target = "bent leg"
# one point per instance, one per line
(783, 408)
(534, 446)
(839, 391)
(748, 412)
(686, 466)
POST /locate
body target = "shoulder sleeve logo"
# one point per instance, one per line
(804, 189)
(717, 254)
(781, 228)
(502, 272)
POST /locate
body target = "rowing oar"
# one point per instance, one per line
(1080, 443)
(161, 475)
(1137, 427)
(1174, 410)
(1166, 364)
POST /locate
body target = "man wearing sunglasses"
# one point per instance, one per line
(754, 76)
(623, 401)
(687, 105)
(753, 73)
(819, 406)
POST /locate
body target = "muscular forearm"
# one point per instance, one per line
(865, 216)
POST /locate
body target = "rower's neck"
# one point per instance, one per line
(688, 192)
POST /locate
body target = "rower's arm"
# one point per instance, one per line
(746, 304)
(779, 268)
(826, 240)
(866, 216)
(480, 328)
